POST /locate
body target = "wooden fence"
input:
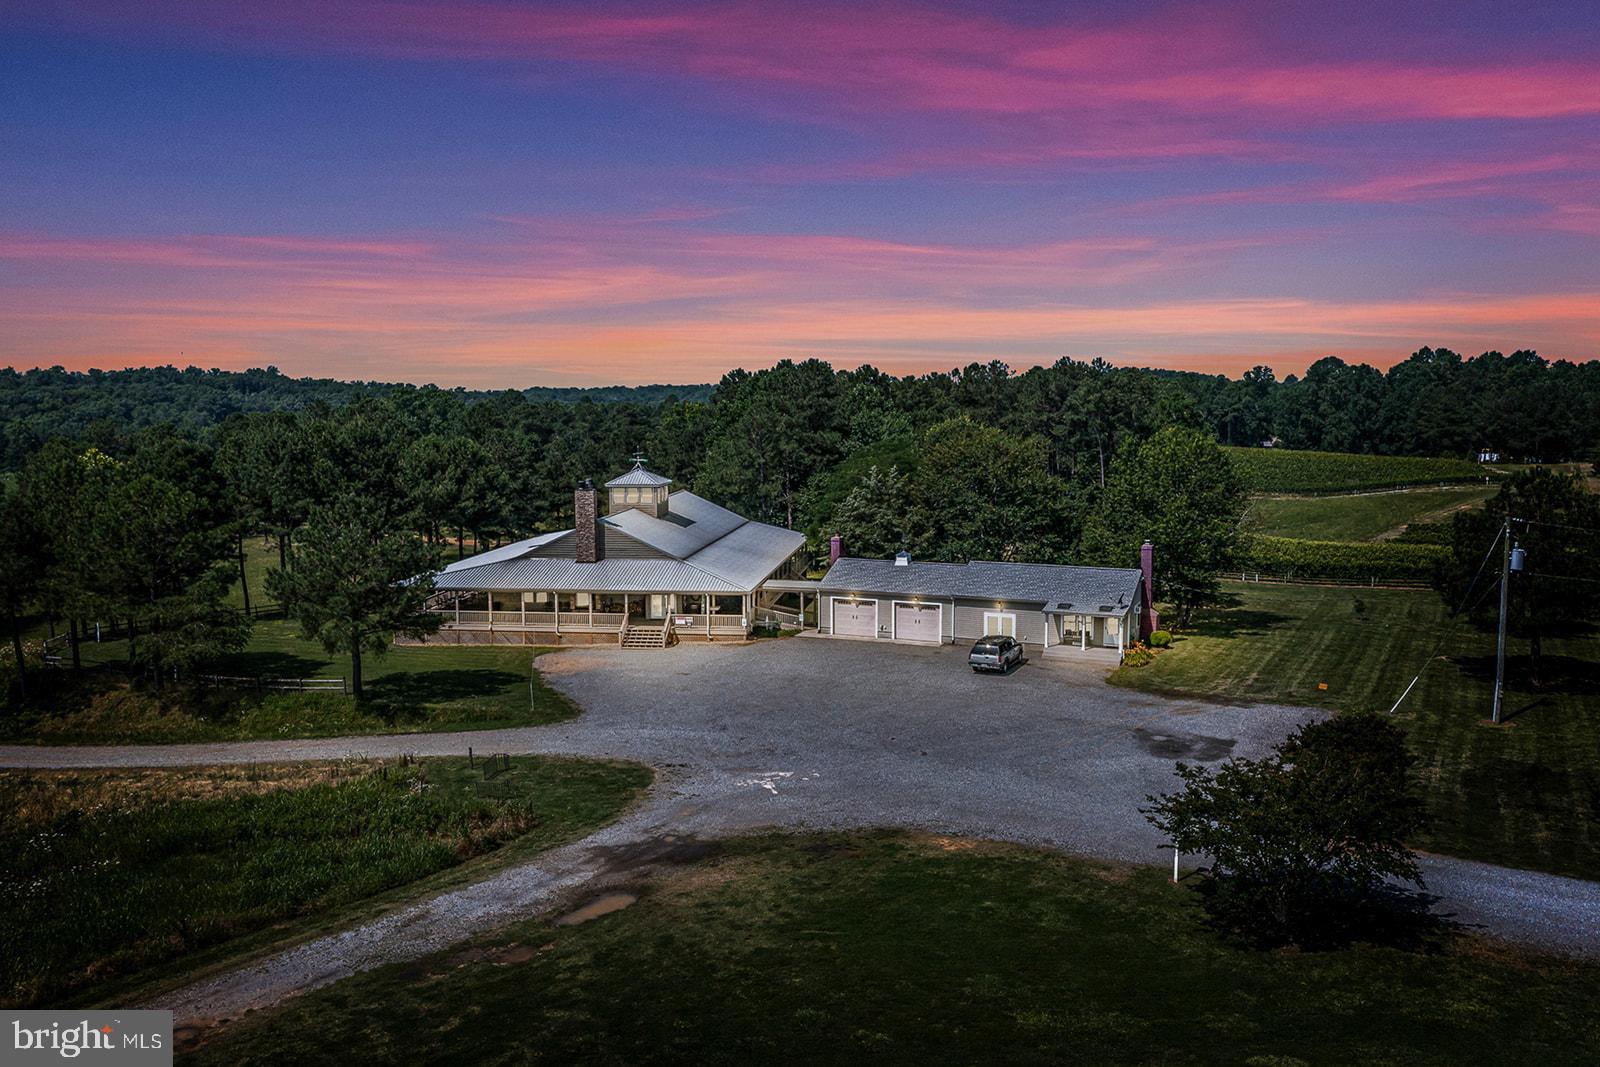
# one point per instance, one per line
(278, 685)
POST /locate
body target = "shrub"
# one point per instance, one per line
(1306, 845)
(1137, 655)
(1160, 638)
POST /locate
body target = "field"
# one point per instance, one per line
(906, 949)
(1525, 795)
(106, 874)
(1364, 517)
(1281, 470)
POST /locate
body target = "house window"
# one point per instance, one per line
(692, 603)
(536, 601)
(574, 601)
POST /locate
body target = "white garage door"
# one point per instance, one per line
(917, 622)
(855, 618)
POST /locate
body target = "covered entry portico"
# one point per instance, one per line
(1070, 628)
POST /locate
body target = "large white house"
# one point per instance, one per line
(658, 566)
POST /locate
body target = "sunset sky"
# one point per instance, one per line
(491, 193)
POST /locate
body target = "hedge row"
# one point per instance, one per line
(1281, 470)
(1291, 557)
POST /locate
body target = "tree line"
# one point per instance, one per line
(1076, 462)
(1434, 403)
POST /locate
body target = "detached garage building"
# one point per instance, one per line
(1070, 609)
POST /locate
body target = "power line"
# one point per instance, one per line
(1455, 617)
(1564, 577)
(1557, 525)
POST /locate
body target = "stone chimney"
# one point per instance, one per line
(586, 519)
(835, 549)
(1149, 621)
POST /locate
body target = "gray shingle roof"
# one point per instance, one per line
(638, 476)
(1080, 590)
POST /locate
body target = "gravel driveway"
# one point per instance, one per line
(814, 732)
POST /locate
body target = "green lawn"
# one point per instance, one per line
(881, 947)
(1357, 518)
(1525, 795)
(107, 874)
(410, 689)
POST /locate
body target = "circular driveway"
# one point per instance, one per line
(821, 732)
(813, 732)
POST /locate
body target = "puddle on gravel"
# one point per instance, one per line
(602, 905)
(1184, 746)
(671, 850)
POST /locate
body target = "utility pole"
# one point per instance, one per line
(1500, 649)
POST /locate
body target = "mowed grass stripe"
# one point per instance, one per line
(1524, 795)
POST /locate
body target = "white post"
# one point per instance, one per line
(1174, 863)
(1083, 633)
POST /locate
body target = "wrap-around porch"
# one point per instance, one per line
(556, 612)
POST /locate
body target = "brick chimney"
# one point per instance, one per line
(1149, 621)
(835, 549)
(586, 517)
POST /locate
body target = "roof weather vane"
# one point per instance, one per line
(639, 458)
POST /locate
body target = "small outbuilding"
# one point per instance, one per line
(1049, 607)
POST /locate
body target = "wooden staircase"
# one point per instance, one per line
(645, 636)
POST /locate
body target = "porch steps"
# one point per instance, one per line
(644, 637)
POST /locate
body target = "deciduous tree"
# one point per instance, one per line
(1178, 490)
(1300, 844)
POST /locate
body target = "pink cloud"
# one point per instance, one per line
(637, 303)
(1191, 78)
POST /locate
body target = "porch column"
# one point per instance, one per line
(523, 597)
(1083, 633)
(555, 602)
(1122, 627)
(1049, 624)
(591, 611)
(458, 611)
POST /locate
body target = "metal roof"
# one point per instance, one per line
(603, 576)
(504, 552)
(691, 524)
(748, 554)
(638, 476)
(717, 550)
(1075, 590)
